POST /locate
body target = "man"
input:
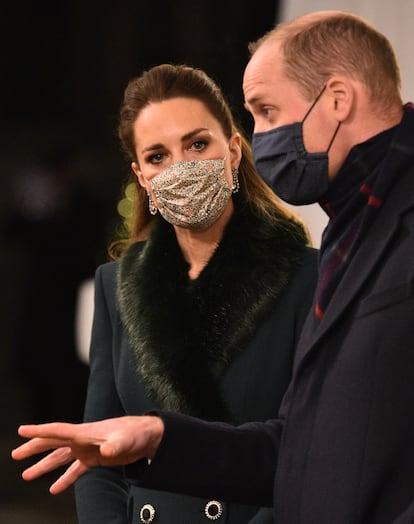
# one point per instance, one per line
(324, 91)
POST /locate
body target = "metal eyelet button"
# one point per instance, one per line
(213, 510)
(147, 513)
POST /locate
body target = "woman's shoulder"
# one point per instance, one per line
(107, 272)
(311, 257)
(306, 275)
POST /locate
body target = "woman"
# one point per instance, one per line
(203, 308)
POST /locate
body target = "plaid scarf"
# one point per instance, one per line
(353, 199)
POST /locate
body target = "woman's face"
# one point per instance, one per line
(180, 129)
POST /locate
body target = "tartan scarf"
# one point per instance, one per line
(352, 202)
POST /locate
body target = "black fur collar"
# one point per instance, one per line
(184, 333)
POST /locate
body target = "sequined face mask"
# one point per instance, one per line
(192, 194)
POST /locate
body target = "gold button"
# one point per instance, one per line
(147, 513)
(213, 510)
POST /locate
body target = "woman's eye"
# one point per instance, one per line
(155, 159)
(198, 145)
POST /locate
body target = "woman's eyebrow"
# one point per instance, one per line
(193, 133)
(187, 136)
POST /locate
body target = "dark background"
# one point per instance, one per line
(64, 66)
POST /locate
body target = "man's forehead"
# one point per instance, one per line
(266, 59)
(264, 67)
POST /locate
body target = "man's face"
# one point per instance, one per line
(271, 98)
(274, 100)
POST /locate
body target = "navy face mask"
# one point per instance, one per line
(296, 176)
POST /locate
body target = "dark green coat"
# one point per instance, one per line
(219, 347)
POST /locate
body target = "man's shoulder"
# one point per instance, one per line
(402, 187)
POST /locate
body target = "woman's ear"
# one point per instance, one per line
(341, 94)
(235, 148)
(140, 176)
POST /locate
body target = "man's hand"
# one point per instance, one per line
(110, 442)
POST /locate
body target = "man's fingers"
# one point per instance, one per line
(109, 449)
(35, 446)
(58, 430)
(74, 471)
(57, 458)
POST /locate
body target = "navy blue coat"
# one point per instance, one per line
(344, 442)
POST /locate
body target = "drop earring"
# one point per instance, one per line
(236, 184)
(151, 206)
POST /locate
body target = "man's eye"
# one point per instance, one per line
(266, 112)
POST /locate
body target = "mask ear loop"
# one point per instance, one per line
(151, 206)
(313, 104)
(310, 109)
(235, 178)
(334, 135)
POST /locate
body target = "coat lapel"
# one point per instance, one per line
(365, 261)
(184, 334)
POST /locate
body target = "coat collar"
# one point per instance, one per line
(377, 240)
(184, 333)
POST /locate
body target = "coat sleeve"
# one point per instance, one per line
(102, 493)
(213, 460)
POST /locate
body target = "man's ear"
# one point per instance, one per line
(341, 94)
(139, 175)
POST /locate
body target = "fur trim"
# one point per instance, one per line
(184, 333)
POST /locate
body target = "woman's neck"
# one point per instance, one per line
(198, 246)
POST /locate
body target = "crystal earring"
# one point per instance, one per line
(152, 207)
(236, 184)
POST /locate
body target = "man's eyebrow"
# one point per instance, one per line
(250, 102)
